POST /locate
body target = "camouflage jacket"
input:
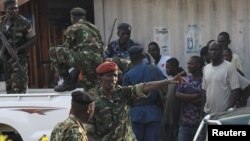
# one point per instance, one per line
(70, 129)
(114, 50)
(83, 36)
(111, 120)
(18, 33)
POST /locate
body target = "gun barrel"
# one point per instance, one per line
(7, 45)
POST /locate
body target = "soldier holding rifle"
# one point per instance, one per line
(17, 36)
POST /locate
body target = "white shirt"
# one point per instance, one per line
(162, 64)
(236, 62)
(218, 82)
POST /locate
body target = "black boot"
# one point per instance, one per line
(74, 74)
(68, 84)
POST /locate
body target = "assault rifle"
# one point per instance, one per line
(112, 31)
(6, 45)
(111, 34)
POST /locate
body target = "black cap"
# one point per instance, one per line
(77, 11)
(6, 3)
(81, 97)
(124, 26)
(134, 50)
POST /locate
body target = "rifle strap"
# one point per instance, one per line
(14, 34)
(2, 48)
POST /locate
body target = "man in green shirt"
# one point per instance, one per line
(111, 120)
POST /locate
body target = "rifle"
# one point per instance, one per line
(111, 34)
(6, 45)
(112, 31)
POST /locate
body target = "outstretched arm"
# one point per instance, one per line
(147, 87)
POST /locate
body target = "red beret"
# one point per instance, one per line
(106, 67)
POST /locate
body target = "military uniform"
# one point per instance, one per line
(70, 129)
(17, 33)
(111, 119)
(114, 49)
(120, 54)
(82, 49)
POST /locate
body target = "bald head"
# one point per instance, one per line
(215, 52)
(215, 44)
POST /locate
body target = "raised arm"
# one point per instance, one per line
(147, 87)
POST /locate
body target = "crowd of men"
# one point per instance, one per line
(138, 99)
(127, 96)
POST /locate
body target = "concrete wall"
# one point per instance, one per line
(208, 16)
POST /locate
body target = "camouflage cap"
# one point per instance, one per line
(77, 11)
(81, 97)
(7, 3)
(124, 27)
(134, 50)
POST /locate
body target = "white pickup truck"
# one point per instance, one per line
(28, 117)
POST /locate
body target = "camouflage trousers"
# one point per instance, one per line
(16, 78)
(64, 58)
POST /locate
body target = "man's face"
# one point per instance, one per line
(91, 110)
(109, 80)
(170, 69)
(227, 56)
(124, 36)
(215, 52)
(12, 10)
(223, 41)
(153, 51)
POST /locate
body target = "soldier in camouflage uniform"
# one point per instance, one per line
(111, 120)
(20, 35)
(81, 50)
(72, 129)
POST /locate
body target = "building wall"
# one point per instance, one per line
(210, 17)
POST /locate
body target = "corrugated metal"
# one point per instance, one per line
(211, 16)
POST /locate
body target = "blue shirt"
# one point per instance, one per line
(114, 50)
(145, 109)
